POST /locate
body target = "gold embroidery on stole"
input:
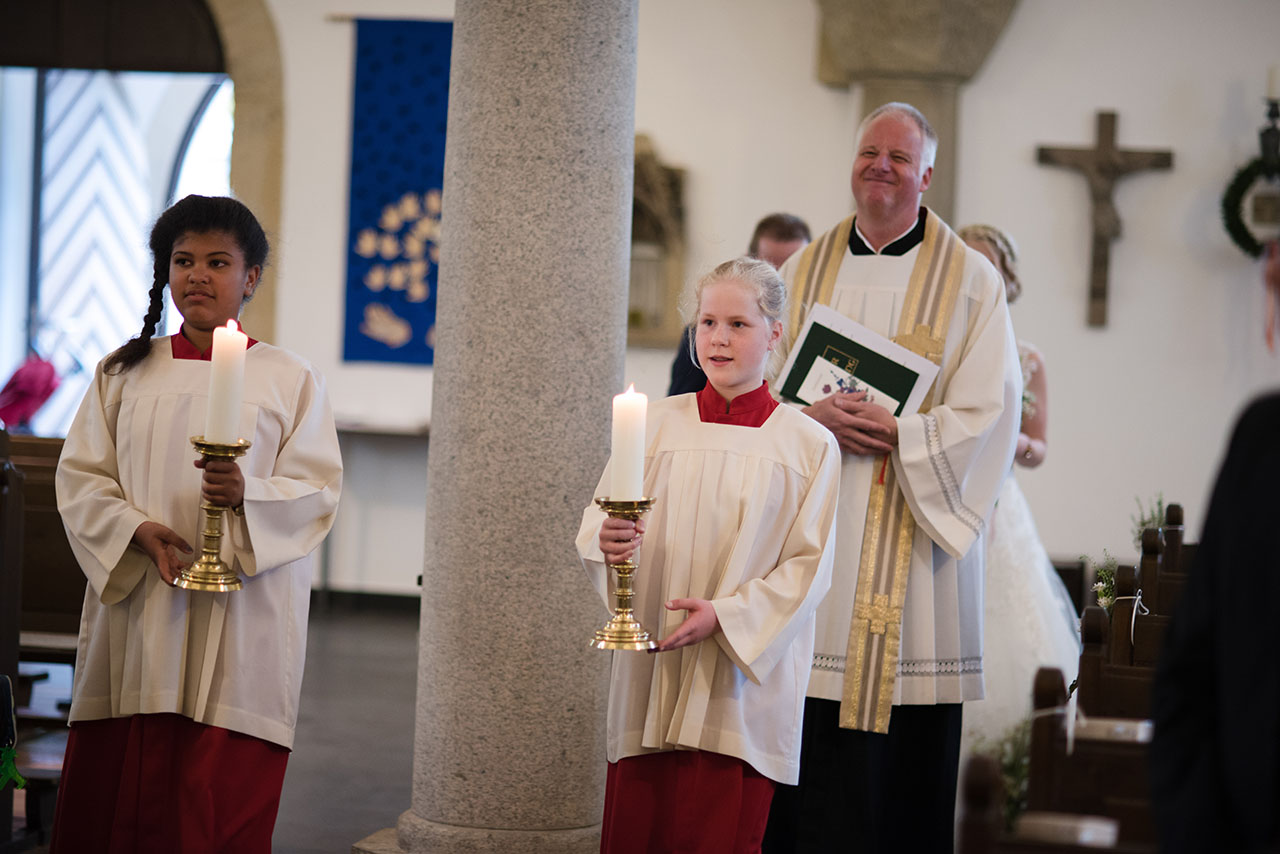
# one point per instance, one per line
(875, 634)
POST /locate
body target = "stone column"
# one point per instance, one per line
(509, 747)
(252, 52)
(918, 51)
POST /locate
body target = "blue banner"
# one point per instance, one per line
(397, 172)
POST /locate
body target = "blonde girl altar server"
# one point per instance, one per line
(733, 561)
(1029, 619)
(184, 702)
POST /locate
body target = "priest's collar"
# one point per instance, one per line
(184, 349)
(749, 410)
(904, 243)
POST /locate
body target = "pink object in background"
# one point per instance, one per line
(27, 390)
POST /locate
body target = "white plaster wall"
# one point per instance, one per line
(1146, 404)
(317, 53)
(721, 106)
(377, 540)
(726, 90)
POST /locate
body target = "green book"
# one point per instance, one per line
(835, 354)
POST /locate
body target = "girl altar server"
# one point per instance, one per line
(733, 560)
(184, 703)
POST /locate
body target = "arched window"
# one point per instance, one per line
(98, 137)
(203, 162)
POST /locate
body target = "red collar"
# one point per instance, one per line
(184, 349)
(746, 410)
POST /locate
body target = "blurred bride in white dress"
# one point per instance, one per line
(1028, 618)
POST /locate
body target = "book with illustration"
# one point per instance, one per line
(835, 354)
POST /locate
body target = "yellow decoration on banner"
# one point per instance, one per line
(367, 243)
(407, 241)
(383, 324)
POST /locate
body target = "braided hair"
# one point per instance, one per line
(192, 215)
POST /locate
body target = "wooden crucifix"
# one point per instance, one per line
(1102, 166)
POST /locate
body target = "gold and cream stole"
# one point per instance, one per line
(875, 634)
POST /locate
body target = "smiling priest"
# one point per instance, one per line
(899, 637)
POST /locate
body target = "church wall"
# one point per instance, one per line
(377, 540)
(727, 92)
(1146, 404)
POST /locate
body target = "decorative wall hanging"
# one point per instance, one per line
(1251, 204)
(397, 172)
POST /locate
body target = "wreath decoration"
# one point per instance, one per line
(1233, 207)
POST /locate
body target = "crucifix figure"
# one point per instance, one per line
(1102, 166)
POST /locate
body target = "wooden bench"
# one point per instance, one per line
(981, 828)
(1135, 638)
(1175, 563)
(11, 483)
(1105, 687)
(52, 583)
(1106, 772)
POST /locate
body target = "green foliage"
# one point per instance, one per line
(1012, 751)
(1152, 516)
(1104, 583)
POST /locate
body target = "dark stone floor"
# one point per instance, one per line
(351, 771)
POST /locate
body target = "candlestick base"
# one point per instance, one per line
(624, 631)
(210, 573)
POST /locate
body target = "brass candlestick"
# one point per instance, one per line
(624, 630)
(210, 572)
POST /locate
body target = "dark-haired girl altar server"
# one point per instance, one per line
(184, 702)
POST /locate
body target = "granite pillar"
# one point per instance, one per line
(530, 337)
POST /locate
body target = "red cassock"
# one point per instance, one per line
(691, 801)
(687, 801)
(156, 783)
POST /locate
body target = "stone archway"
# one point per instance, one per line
(252, 53)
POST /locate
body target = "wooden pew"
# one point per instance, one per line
(1175, 564)
(1135, 638)
(981, 829)
(1104, 775)
(53, 585)
(11, 483)
(41, 592)
(1104, 686)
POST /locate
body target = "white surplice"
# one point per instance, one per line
(950, 461)
(744, 517)
(234, 659)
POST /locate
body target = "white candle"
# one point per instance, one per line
(627, 481)
(226, 384)
(1273, 83)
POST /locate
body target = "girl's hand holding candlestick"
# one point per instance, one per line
(620, 539)
(701, 624)
(159, 543)
(223, 482)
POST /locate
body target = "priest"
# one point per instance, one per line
(899, 637)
